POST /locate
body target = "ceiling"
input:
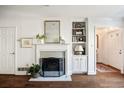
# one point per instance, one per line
(66, 10)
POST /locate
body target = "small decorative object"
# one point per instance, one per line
(78, 33)
(26, 42)
(78, 24)
(34, 70)
(62, 41)
(81, 39)
(40, 38)
(79, 49)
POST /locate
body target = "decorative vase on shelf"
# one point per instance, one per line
(40, 38)
(62, 41)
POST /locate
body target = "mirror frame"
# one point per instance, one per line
(58, 28)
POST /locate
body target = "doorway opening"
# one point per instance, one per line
(109, 56)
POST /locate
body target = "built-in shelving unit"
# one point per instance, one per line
(79, 46)
(79, 38)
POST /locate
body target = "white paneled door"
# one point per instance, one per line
(7, 50)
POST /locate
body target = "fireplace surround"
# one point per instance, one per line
(64, 48)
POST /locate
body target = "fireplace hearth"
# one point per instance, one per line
(52, 67)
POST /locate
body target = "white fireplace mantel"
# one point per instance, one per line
(55, 47)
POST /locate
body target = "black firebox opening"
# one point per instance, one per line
(52, 67)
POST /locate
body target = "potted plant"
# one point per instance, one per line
(40, 38)
(34, 70)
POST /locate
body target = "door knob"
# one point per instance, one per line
(120, 52)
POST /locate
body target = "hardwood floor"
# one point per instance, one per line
(105, 80)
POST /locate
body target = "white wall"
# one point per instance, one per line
(102, 42)
(28, 25)
(91, 47)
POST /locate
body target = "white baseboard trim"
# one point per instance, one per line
(91, 73)
(20, 73)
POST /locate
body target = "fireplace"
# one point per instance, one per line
(54, 51)
(52, 67)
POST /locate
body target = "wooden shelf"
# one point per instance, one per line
(78, 42)
(78, 35)
(78, 55)
(78, 28)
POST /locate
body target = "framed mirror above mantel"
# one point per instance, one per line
(52, 31)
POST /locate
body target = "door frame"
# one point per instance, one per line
(122, 69)
(15, 47)
(95, 27)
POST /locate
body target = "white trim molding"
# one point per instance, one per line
(91, 73)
